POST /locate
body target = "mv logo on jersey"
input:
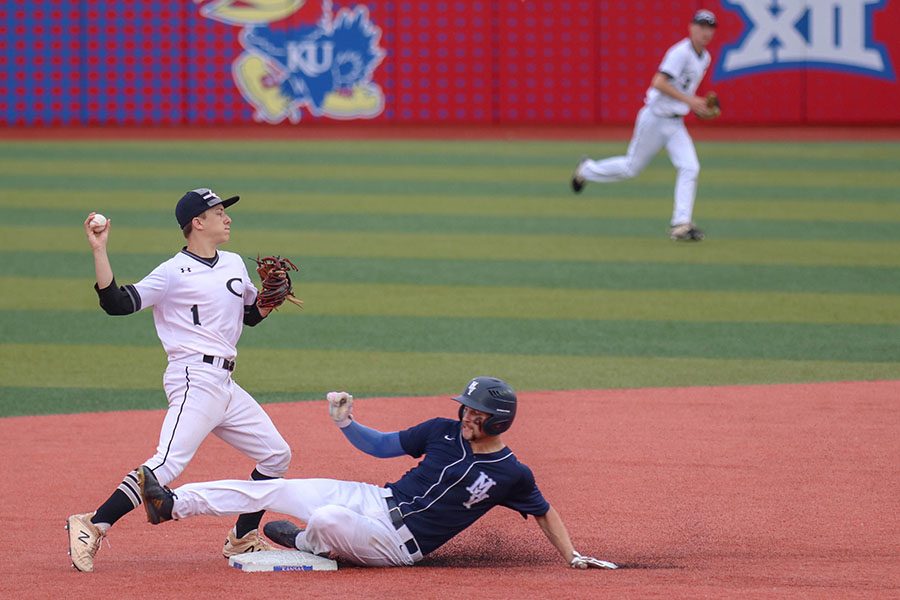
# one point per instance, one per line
(834, 35)
(301, 54)
(479, 489)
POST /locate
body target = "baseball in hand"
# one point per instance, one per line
(338, 398)
(98, 223)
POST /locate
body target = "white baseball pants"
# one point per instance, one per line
(204, 399)
(346, 519)
(652, 133)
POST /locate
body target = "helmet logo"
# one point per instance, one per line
(472, 387)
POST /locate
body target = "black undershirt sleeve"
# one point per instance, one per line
(252, 316)
(118, 300)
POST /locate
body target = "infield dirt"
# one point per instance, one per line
(787, 491)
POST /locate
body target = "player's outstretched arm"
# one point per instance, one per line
(368, 440)
(97, 240)
(114, 300)
(555, 530)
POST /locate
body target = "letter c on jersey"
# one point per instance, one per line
(230, 289)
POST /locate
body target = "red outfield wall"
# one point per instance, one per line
(504, 62)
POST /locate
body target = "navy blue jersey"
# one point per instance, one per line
(451, 487)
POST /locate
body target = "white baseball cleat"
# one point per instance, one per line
(84, 541)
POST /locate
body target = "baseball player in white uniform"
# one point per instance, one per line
(201, 299)
(660, 124)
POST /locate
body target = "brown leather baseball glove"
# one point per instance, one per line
(713, 105)
(276, 282)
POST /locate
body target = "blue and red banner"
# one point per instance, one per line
(291, 62)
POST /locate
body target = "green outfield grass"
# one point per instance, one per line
(427, 262)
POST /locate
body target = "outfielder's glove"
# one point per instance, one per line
(713, 105)
(340, 408)
(276, 282)
(589, 562)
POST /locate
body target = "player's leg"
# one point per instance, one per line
(684, 158)
(347, 535)
(248, 428)
(196, 406)
(194, 410)
(345, 519)
(356, 526)
(189, 419)
(646, 141)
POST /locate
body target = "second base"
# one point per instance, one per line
(281, 560)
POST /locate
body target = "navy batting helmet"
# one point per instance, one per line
(493, 396)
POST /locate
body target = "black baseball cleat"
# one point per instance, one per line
(158, 499)
(578, 182)
(283, 533)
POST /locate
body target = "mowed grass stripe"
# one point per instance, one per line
(476, 247)
(503, 302)
(134, 207)
(313, 372)
(468, 224)
(515, 273)
(222, 179)
(289, 152)
(840, 156)
(27, 401)
(487, 171)
(562, 337)
(188, 148)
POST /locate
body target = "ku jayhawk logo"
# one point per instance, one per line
(300, 54)
(479, 489)
(789, 34)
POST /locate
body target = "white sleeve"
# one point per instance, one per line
(673, 62)
(250, 291)
(152, 288)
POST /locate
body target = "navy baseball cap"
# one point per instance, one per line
(196, 202)
(704, 17)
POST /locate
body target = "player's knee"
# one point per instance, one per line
(326, 529)
(276, 465)
(166, 472)
(632, 169)
(690, 170)
(325, 520)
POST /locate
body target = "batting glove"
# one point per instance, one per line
(340, 405)
(588, 562)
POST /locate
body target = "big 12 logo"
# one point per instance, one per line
(788, 34)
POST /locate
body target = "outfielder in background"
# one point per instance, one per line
(466, 471)
(660, 124)
(201, 298)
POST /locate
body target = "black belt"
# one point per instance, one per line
(397, 520)
(226, 364)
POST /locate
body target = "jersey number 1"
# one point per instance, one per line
(196, 312)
